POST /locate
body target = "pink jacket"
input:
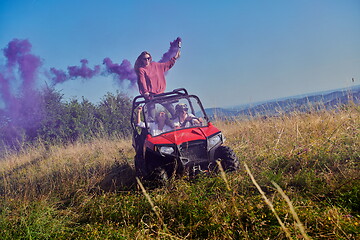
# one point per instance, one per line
(152, 78)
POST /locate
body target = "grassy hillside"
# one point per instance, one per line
(302, 181)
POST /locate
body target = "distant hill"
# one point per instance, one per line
(303, 103)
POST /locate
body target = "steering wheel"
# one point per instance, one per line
(190, 120)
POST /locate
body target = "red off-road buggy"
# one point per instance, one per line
(187, 149)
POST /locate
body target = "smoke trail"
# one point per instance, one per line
(174, 47)
(18, 57)
(123, 71)
(84, 71)
(60, 76)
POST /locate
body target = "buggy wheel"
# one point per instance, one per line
(229, 161)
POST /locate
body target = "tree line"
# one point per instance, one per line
(51, 119)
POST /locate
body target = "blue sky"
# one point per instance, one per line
(233, 52)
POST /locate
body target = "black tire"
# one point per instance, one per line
(229, 161)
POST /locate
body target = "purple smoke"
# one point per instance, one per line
(28, 66)
(84, 71)
(122, 71)
(16, 48)
(174, 47)
(60, 76)
(22, 104)
(5, 90)
(18, 58)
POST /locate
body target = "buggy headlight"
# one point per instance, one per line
(166, 150)
(214, 140)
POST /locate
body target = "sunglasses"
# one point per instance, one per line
(146, 59)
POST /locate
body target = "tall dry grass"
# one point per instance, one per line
(306, 165)
(297, 135)
(40, 172)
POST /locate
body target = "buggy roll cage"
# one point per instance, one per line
(165, 97)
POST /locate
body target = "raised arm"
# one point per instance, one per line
(138, 115)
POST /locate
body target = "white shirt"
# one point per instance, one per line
(154, 128)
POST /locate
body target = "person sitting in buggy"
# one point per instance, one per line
(184, 119)
(157, 127)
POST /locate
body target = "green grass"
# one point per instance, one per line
(88, 190)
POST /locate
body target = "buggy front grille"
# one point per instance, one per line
(194, 150)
